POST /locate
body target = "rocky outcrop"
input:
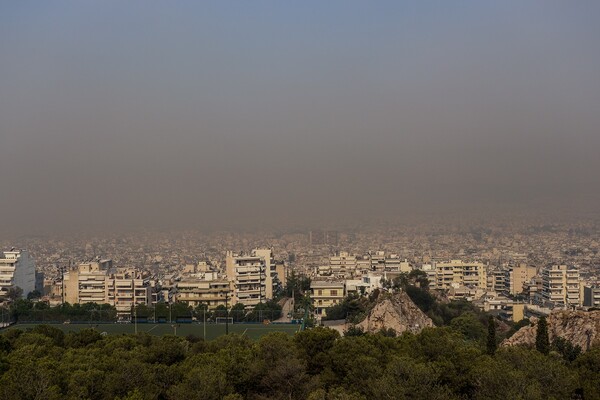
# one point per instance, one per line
(579, 327)
(397, 312)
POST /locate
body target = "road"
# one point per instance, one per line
(287, 307)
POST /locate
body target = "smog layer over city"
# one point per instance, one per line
(299, 200)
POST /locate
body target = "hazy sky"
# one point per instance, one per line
(230, 114)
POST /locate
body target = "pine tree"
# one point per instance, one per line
(542, 341)
(492, 345)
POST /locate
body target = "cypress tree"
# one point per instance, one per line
(492, 345)
(542, 341)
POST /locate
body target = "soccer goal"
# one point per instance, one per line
(224, 320)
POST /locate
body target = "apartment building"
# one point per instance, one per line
(250, 277)
(325, 294)
(126, 288)
(561, 285)
(443, 275)
(94, 282)
(17, 269)
(517, 276)
(342, 264)
(497, 280)
(591, 296)
(393, 263)
(195, 291)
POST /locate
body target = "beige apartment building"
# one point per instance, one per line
(250, 278)
(127, 288)
(93, 282)
(195, 291)
(444, 275)
(561, 285)
(519, 275)
(325, 294)
(342, 264)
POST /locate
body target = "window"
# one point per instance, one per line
(320, 292)
(333, 292)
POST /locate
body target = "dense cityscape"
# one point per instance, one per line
(340, 200)
(495, 267)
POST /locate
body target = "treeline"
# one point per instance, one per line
(316, 364)
(269, 310)
(25, 310)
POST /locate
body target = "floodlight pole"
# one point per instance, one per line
(226, 313)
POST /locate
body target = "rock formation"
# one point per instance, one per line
(397, 312)
(579, 327)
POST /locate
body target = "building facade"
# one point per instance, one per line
(17, 269)
(95, 282)
(194, 292)
(454, 273)
(250, 278)
(325, 294)
(519, 275)
(561, 285)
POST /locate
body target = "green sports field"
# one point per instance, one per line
(253, 331)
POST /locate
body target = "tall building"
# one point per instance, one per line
(127, 288)
(250, 279)
(517, 276)
(17, 269)
(561, 286)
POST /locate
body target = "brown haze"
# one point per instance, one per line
(192, 115)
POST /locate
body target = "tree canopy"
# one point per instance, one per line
(438, 363)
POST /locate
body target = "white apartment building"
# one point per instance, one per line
(561, 285)
(17, 269)
(364, 285)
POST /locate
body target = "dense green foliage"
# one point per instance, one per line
(28, 310)
(352, 308)
(542, 341)
(25, 310)
(492, 343)
(438, 363)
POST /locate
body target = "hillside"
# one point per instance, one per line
(397, 312)
(579, 327)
